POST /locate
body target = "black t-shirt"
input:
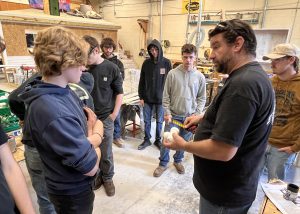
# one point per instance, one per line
(7, 203)
(107, 85)
(240, 115)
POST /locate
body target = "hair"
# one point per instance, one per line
(231, 29)
(107, 42)
(296, 64)
(188, 48)
(56, 49)
(92, 41)
(2, 45)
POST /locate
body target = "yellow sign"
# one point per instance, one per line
(194, 6)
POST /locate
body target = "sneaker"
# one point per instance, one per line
(144, 144)
(157, 143)
(180, 168)
(97, 182)
(119, 142)
(159, 171)
(109, 188)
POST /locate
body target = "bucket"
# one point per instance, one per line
(85, 8)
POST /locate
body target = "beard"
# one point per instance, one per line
(222, 65)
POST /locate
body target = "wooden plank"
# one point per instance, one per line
(14, 35)
(12, 6)
(46, 7)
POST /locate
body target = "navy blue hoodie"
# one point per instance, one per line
(16, 105)
(59, 132)
(153, 76)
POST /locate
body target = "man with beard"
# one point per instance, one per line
(232, 135)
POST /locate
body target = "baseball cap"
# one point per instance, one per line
(282, 50)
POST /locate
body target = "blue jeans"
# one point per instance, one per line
(277, 163)
(35, 170)
(207, 207)
(147, 111)
(107, 160)
(117, 127)
(81, 203)
(164, 152)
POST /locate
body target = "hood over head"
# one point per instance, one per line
(157, 44)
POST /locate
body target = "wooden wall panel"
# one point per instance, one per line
(14, 35)
(12, 6)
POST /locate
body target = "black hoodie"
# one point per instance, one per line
(153, 76)
(58, 128)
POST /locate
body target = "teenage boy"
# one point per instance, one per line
(107, 95)
(66, 139)
(184, 95)
(151, 85)
(108, 47)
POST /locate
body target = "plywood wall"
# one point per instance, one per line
(12, 6)
(14, 35)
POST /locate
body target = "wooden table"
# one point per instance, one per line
(268, 207)
(274, 203)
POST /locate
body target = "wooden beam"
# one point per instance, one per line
(46, 7)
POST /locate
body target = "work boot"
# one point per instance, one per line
(159, 171)
(157, 143)
(144, 144)
(97, 182)
(179, 167)
(119, 143)
(109, 188)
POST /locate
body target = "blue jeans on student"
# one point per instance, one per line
(207, 207)
(164, 152)
(117, 127)
(277, 162)
(107, 160)
(35, 170)
(147, 111)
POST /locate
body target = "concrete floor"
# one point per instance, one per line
(137, 191)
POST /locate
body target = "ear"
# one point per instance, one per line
(292, 59)
(238, 44)
(97, 50)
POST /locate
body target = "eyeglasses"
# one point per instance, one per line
(91, 50)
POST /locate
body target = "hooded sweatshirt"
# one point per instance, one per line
(58, 128)
(153, 75)
(286, 126)
(184, 92)
(16, 104)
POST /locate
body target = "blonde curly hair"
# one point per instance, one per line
(57, 48)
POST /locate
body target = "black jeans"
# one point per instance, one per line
(81, 203)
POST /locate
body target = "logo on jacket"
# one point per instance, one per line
(162, 71)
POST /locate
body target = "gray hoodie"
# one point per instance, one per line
(184, 92)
